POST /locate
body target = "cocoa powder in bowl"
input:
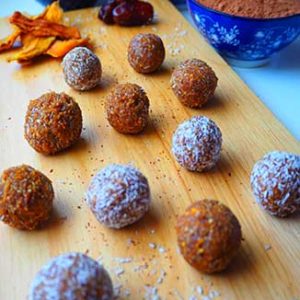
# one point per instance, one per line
(263, 9)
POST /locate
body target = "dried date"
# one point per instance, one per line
(106, 11)
(133, 13)
(126, 12)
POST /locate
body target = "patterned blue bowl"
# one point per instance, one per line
(245, 42)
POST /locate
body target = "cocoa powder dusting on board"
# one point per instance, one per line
(266, 9)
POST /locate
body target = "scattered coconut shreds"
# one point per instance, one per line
(199, 290)
(178, 295)
(77, 21)
(182, 33)
(151, 293)
(120, 292)
(161, 277)
(267, 247)
(152, 245)
(119, 271)
(127, 293)
(213, 294)
(123, 260)
(161, 249)
(175, 45)
(140, 267)
(66, 20)
(151, 268)
(117, 290)
(175, 49)
(60, 181)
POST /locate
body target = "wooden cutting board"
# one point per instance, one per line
(268, 265)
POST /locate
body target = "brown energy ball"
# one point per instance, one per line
(127, 108)
(71, 276)
(82, 69)
(275, 182)
(146, 52)
(209, 235)
(53, 123)
(119, 195)
(194, 82)
(26, 197)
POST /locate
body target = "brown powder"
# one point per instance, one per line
(266, 9)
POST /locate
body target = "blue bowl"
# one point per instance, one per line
(245, 42)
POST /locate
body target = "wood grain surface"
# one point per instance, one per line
(268, 265)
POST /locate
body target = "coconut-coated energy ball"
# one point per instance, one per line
(146, 52)
(53, 123)
(209, 235)
(194, 82)
(82, 69)
(275, 182)
(197, 144)
(71, 276)
(127, 108)
(119, 195)
(26, 197)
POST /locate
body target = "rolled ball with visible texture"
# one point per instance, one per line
(197, 144)
(26, 197)
(53, 123)
(194, 82)
(146, 53)
(209, 236)
(71, 276)
(119, 195)
(127, 108)
(82, 69)
(275, 182)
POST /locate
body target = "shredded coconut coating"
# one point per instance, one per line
(71, 276)
(194, 82)
(275, 182)
(82, 69)
(53, 123)
(118, 195)
(197, 144)
(26, 197)
(209, 235)
(127, 108)
(146, 53)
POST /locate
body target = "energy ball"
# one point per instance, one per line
(146, 53)
(71, 276)
(53, 123)
(275, 182)
(82, 69)
(194, 82)
(197, 144)
(127, 108)
(26, 197)
(119, 195)
(209, 236)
